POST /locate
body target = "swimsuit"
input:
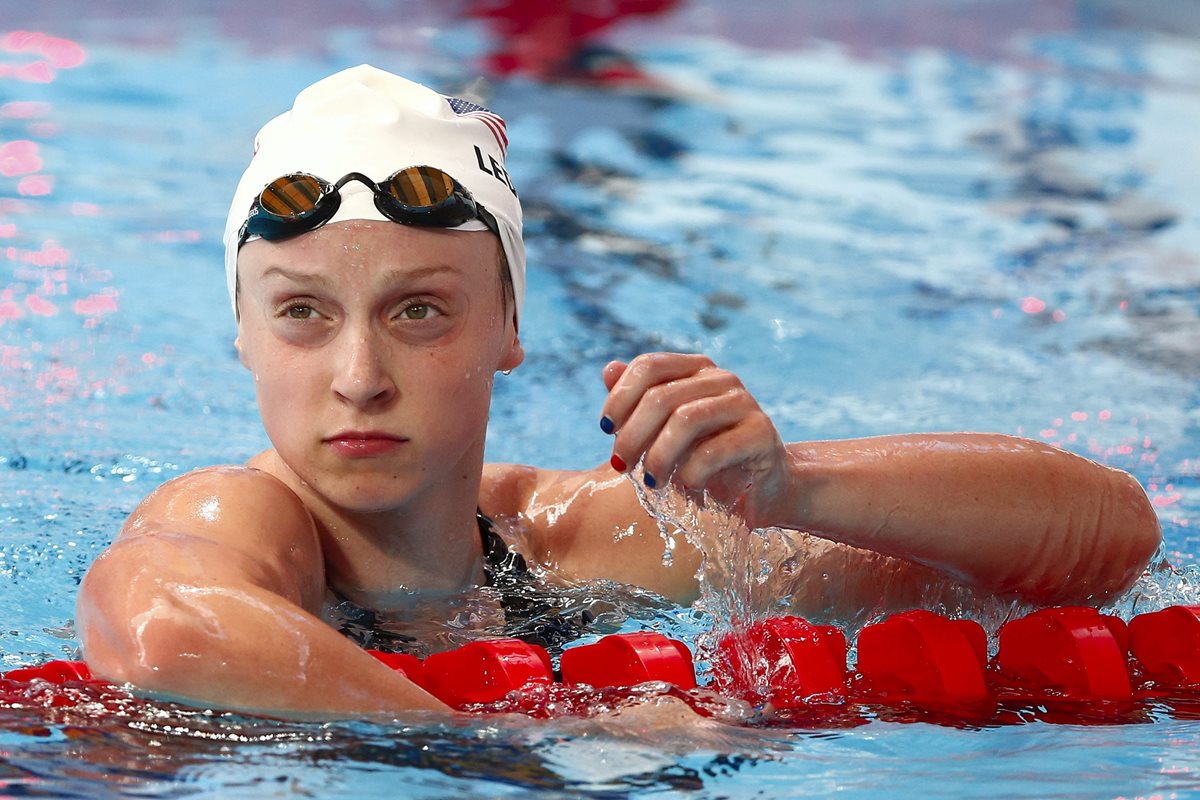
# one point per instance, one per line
(532, 611)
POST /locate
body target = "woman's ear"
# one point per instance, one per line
(241, 351)
(513, 356)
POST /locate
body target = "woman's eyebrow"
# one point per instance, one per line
(391, 275)
(422, 272)
(292, 275)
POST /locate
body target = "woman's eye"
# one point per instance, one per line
(300, 312)
(417, 311)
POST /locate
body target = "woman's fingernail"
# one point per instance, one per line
(617, 463)
(606, 425)
(649, 479)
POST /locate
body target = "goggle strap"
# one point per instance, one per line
(413, 195)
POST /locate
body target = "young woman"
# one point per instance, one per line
(375, 304)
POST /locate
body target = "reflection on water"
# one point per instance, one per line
(147, 746)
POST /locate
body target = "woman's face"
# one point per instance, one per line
(373, 347)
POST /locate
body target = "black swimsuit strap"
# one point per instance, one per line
(531, 611)
(499, 563)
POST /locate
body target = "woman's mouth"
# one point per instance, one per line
(364, 444)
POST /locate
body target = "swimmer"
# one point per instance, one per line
(375, 305)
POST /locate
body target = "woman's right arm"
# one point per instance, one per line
(210, 594)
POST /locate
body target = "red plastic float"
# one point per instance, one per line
(52, 671)
(798, 662)
(629, 659)
(922, 658)
(1072, 652)
(1166, 645)
(410, 667)
(484, 672)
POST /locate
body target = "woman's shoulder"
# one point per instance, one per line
(222, 497)
(505, 489)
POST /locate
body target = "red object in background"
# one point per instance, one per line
(410, 666)
(1073, 651)
(555, 39)
(628, 659)
(1167, 646)
(790, 660)
(924, 658)
(484, 672)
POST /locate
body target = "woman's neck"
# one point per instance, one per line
(431, 542)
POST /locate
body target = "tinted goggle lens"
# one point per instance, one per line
(292, 195)
(300, 202)
(420, 187)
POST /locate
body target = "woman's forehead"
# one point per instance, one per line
(358, 246)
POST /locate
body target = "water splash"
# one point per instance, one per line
(744, 575)
(1160, 586)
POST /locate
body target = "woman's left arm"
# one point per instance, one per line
(1006, 514)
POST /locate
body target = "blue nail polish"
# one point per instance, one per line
(649, 479)
(606, 425)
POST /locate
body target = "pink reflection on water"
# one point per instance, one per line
(35, 185)
(19, 158)
(1166, 499)
(85, 209)
(8, 230)
(40, 306)
(60, 53)
(96, 305)
(24, 109)
(56, 53)
(1033, 305)
(9, 310)
(10, 358)
(37, 72)
(176, 237)
(50, 254)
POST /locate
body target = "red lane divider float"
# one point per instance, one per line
(786, 661)
(628, 660)
(1070, 655)
(52, 671)
(484, 672)
(924, 659)
(1166, 646)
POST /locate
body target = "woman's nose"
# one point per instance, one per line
(362, 377)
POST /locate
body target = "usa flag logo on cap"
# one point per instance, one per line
(494, 123)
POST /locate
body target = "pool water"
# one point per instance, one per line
(884, 217)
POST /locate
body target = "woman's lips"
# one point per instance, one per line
(364, 444)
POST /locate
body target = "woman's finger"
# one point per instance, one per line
(751, 447)
(640, 375)
(641, 427)
(688, 426)
(613, 370)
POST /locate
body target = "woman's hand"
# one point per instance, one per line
(695, 424)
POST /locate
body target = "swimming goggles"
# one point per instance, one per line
(299, 202)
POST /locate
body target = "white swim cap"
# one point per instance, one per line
(370, 121)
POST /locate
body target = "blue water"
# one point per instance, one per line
(884, 217)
